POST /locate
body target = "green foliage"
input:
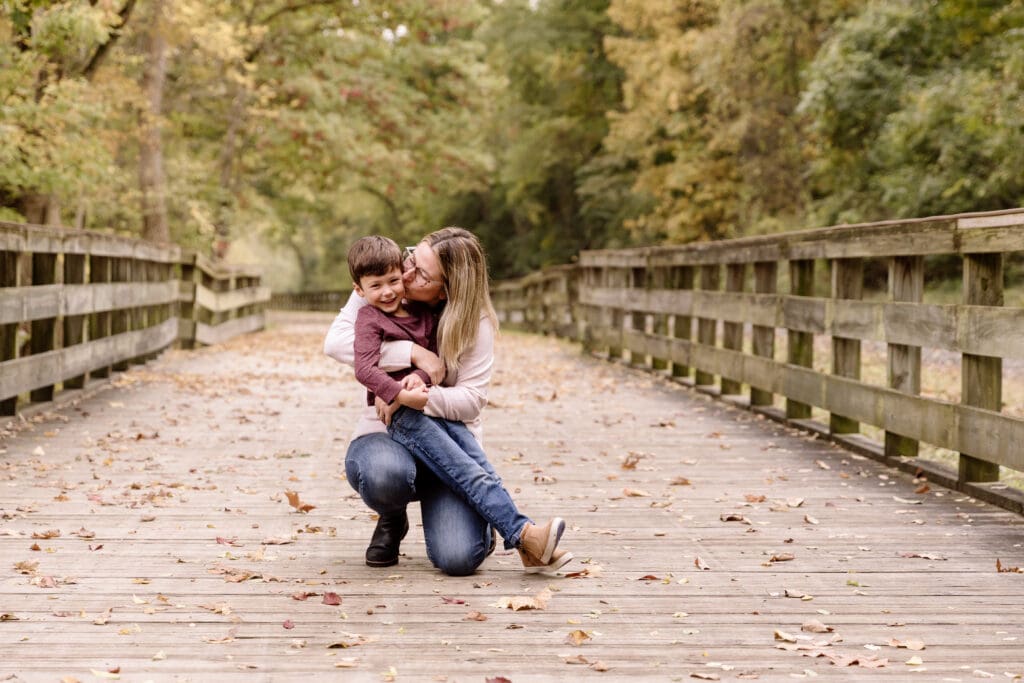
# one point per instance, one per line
(547, 126)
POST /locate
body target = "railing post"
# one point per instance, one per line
(613, 316)
(657, 277)
(707, 328)
(74, 325)
(847, 283)
(800, 345)
(44, 332)
(121, 319)
(187, 309)
(637, 319)
(100, 324)
(732, 332)
(906, 283)
(762, 337)
(981, 376)
(9, 332)
(682, 325)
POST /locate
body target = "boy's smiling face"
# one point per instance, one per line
(384, 292)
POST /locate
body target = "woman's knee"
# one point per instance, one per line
(456, 561)
(381, 471)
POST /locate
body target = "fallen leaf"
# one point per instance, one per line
(577, 637)
(815, 626)
(785, 637)
(733, 517)
(475, 616)
(923, 556)
(635, 493)
(575, 659)
(49, 533)
(810, 520)
(705, 676)
(700, 564)
(293, 500)
(113, 674)
(277, 540)
(782, 557)
(599, 666)
(914, 661)
(679, 481)
(452, 601)
(1007, 570)
(288, 624)
(525, 602)
(331, 598)
(159, 656)
(908, 644)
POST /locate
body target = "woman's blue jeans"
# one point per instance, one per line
(387, 478)
(455, 457)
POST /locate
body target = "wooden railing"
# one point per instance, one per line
(708, 314)
(330, 300)
(76, 304)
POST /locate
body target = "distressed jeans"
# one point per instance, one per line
(451, 452)
(387, 477)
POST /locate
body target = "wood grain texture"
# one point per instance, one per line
(201, 445)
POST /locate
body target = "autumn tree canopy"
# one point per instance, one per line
(547, 126)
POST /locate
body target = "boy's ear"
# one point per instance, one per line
(358, 290)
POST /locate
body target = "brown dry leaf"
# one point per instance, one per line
(29, 567)
(293, 500)
(872, 663)
(599, 666)
(699, 563)
(810, 520)
(908, 644)
(229, 638)
(227, 541)
(795, 502)
(575, 659)
(475, 616)
(635, 493)
(754, 498)
(84, 533)
(217, 608)
(815, 626)
(923, 488)
(113, 674)
(784, 637)
(590, 572)
(679, 481)
(49, 533)
(631, 460)
(102, 619)
(277, 540)
(782, 557)
(354, 640)
(303, 595)
(577, 637)
(822, 464)
(331, 598)
(288, 624)
(923, 556)
(525, 602)
(733, 517)
(705, 676)
(1007, 570)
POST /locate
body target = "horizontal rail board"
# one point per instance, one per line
(53, 367)
(54, 240)
(18, 304)
(955, 426)
(216, 334)
(981, 330)
(219, 302)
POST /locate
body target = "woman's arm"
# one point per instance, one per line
(338, 344)
(464, 399)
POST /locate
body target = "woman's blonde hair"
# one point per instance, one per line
(464, 269)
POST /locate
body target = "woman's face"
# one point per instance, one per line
(422, 276)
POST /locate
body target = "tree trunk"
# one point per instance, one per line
(152, 181)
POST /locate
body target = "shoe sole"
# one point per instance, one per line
(554, 536)
(382, 563)
(550, 568)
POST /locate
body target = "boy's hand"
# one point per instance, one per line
(385, 411)
(412, 398)
(412, 381)
(429, 362)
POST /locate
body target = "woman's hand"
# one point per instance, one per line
(413, 398)
(429, 362)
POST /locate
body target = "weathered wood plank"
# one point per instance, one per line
(69, 299)
(205, 443)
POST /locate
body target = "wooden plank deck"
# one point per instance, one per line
(167, 490)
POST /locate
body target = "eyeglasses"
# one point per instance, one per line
(409, 256)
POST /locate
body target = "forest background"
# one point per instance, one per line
(279, 131)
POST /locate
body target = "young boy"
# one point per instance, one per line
(375, 264)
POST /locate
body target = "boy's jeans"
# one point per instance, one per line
(452, 453)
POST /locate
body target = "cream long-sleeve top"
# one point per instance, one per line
(461, 396)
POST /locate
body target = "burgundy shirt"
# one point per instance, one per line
(374, 327)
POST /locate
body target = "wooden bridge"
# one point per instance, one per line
(186, 518)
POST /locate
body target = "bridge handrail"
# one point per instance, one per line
(666, 309)
(76, 304)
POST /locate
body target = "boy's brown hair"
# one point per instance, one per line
(373, 255)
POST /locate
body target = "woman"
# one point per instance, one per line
(435, 455)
